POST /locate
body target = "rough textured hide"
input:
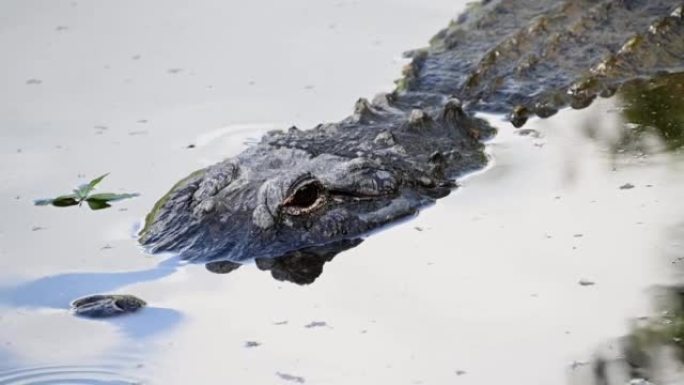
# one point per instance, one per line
(309, 190)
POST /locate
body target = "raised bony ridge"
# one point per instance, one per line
(533, 57)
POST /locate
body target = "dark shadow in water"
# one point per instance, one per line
(302, 267)
(6, 360)
(145, 323)
(59, 290)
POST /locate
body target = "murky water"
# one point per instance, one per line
(519, 276)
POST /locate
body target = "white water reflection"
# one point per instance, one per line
(484, 287)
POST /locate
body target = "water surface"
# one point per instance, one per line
(517, 277)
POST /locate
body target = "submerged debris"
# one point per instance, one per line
(104, 306)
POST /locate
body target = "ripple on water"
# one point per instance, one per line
(68, 374)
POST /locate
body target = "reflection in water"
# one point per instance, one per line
(145, 324)
(301, 267)
(222, 267)
(652, 353)
(652, 112)
(304, 266)
(655, 107)
(59, 290)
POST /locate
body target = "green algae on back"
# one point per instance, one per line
(151, 217)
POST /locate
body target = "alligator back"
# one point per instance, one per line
(529, 57)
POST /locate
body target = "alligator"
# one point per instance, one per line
(298, 197)
(311, 189)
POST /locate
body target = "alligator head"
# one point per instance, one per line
(240, 209)
(309, 190)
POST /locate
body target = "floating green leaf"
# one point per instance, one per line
(66, 200)
(97, 204)
(111, 197)
(85, 189)
(83, 194)
(60, 201)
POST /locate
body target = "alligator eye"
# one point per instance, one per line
(305, 198)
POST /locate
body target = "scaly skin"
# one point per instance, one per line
(305, 191)
(529, 57)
